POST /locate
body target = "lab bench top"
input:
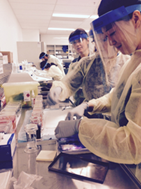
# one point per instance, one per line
(116, 178)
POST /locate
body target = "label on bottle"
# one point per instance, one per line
(27, 96)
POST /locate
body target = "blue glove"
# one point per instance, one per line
(67, 128)
(53, 96)
(78, 111)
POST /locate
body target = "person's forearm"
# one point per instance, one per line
(100, 105)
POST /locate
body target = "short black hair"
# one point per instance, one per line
(42, 64)
(78, 31)
(42, 55)
(108, 5)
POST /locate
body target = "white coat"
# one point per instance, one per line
(54, 72)
(55, 60)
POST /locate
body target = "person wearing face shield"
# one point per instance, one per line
(51, 70)
(50, 59)
(91, 74)
(117, 140)
(80, 43)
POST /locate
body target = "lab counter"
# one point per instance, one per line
(116, 178)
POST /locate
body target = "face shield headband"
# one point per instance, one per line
(42, 56)
(113, 16)
(72, 39)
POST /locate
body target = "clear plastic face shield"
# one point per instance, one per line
(115, 32)
(92, 45)
(80, 43)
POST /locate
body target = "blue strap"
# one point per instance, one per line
(44, 65)
(113, 16)
(132, 8)
(84, 35)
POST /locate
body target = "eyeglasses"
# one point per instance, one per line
(77, 41)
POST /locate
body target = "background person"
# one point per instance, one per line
(117, 140)
(52, 70)
(51, 59)
(80, 43)
(92, 75)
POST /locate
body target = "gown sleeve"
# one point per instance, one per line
(108, 139)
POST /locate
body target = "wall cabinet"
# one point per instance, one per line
(60, 51)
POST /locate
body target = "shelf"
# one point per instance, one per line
(57, 50)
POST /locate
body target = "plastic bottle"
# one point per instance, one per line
(14, 67)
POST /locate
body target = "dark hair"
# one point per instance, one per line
(42, 64)
(78, 31)
(108, 5)
(42, 55)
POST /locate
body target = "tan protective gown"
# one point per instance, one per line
(118, 140)
(90, 74)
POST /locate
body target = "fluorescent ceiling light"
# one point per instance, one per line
(60, 37)
(94, 16)
(70, 15)
(68, 29)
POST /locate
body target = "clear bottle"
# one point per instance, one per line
(14, 67)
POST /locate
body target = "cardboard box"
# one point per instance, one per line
(5, 59)
(9, 54)
(1, 64)
(7, 150)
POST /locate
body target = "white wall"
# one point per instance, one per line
(31, 35)
(10, 30)
(30, 51)
(55, 39)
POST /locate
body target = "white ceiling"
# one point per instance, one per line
(37, 14)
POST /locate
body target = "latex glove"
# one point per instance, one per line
(67, 128)
(53, 96)
(77, 111)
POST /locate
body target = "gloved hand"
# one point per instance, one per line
(77, 111)
(67, 128)
(53, 96)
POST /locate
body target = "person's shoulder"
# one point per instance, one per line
(76, 59)
(52, 56)
(88, 59)
(55, 68)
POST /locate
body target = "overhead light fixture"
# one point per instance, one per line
(60, 37)
(70, 15)
(94, 16)
(64, 29)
